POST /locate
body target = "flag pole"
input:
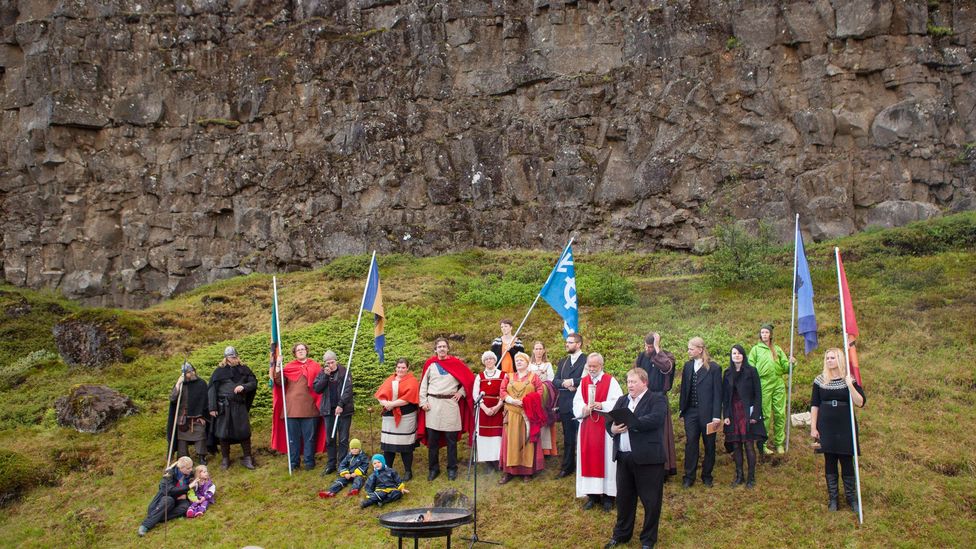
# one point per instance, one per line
(538, 295)
(281, 370)
(847, 362)
(176, 414)
(789, 392)
(355, 334)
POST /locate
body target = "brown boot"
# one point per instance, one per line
(248, 462)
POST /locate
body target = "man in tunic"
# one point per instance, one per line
(596, 476)
(190, 419)
(569, 372)
(446, 407)
(659, 365)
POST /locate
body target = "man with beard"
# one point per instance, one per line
(446, 404)
(232, 390)
(190, 418)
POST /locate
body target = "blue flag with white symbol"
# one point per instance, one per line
(803, 286)
(560, 291)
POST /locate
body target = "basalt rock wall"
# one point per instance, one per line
(147, 147)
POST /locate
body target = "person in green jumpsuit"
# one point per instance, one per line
(772, 364)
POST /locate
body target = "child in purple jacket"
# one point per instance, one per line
(202, 492)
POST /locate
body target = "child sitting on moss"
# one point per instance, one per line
(352, 470)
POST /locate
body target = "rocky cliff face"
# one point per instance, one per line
(151, 146)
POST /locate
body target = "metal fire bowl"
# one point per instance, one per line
(442, 518)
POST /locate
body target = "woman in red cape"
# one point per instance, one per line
(293, 371)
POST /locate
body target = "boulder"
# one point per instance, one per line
(862, 18)
(90, 342)
(92, 408)
(895, 213)
(451, 498)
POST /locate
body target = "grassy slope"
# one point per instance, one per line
(915, 310)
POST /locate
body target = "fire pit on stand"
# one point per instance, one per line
(430, 522)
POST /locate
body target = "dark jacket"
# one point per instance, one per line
(354, 464)
(168, 486)
(568, 370)
(750, 392)
(646, 438)
(709, 392)
(232, 423)
(323, 384)
(384, 480)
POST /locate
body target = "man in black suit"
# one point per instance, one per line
(568, 374)
(700, 404)
(639, 453)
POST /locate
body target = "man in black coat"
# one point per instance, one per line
(700, 404)
(640, 456)
(569, 371)
(335, 386)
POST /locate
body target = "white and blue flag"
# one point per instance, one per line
(560, 291)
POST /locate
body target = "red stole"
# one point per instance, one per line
(592, 430)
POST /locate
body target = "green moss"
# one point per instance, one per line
(939, 31)
(732, 43)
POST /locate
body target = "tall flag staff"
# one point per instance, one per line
(176, 415)
(276, 361)
(559, 291)
(849, 325)
(802, 287)
(373, 302)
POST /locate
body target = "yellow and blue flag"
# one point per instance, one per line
(373, 302)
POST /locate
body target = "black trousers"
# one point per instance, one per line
(338, 446)
(434, 446)
(644, 482)
(570, 429)
(695, 431)
(168, 508)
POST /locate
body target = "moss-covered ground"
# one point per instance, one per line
(915, 297)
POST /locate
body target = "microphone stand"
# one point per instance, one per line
(474, 457)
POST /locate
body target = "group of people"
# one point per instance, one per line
(508, 413)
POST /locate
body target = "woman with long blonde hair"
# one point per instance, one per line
(830, 422)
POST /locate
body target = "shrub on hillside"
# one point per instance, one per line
(602, 287)
(740, 257)
(17, 475)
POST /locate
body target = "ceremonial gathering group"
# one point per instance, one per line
(619, 444)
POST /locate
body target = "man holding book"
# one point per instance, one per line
(635, 423)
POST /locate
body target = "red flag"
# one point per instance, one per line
(850, 321)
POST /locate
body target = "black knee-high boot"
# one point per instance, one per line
(831, 492)
(737, 458)
(850, 492)
(224, 455)
(248, 460)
